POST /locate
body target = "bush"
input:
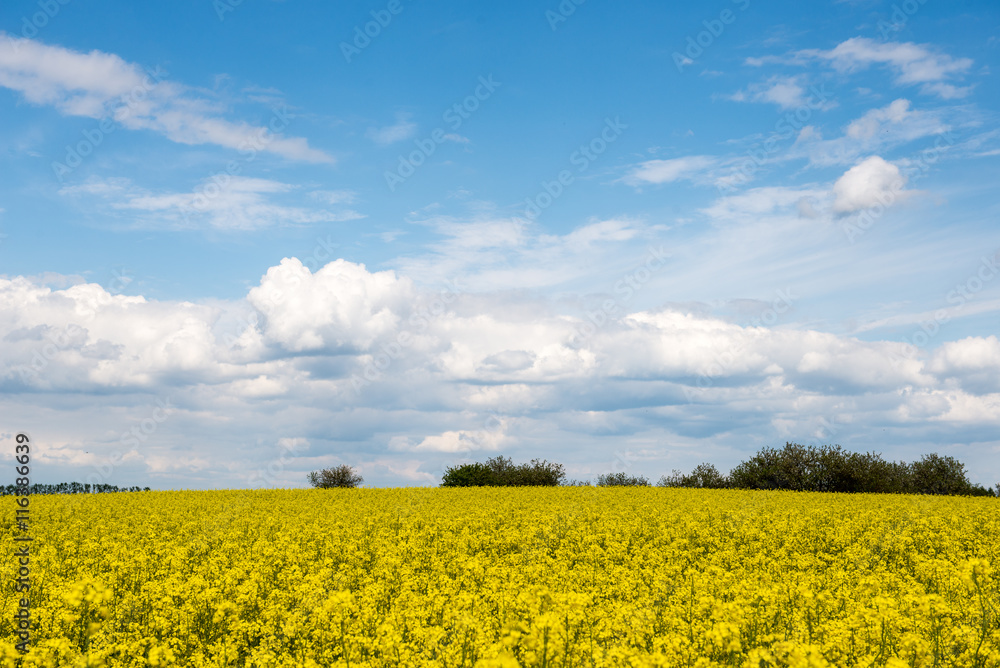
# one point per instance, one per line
(621, 480)
(340, 476)
(502, 472)
(468, 475)
(704, 476)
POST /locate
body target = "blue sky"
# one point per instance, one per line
(245, 241)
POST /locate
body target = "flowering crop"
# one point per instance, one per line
(509, 577)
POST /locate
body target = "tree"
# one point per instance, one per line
(340, 476)
(936, 474)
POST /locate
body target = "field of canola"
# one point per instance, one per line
(508, 577)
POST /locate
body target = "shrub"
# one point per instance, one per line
(502, 472)
(704, 475)
(340, 476)
(621, 480)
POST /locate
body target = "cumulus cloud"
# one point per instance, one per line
(103, 85)
(973, 362)
(453, 384)
(341, 307)
(870, 183)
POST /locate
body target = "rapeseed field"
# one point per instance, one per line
(508, 577)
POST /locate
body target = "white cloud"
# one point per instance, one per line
(869, 183)
(913, 63)
(668, 171)
(340, 307)
(786, 92)
(233, 203)
(464, 440)
(947, 91)
(869, 125)
(754, 203)
(335, 196)
(645, 379)
(402, 130)
(102, 85)
(488, 251)
(876, 130)
(973, 361)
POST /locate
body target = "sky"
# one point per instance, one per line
(242, 240)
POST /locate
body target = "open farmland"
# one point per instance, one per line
(510, 577)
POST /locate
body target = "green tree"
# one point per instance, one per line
(339, 476)
(936, 474)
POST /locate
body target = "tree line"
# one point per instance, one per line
(826, 468)
(69, 488)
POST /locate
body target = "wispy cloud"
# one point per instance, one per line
(912, 63)
(667, 171)
(103, 85)
(403, 129)
(242, 203)
(876, 130)
(786, 92)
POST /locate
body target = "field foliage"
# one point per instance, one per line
(510, 576)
